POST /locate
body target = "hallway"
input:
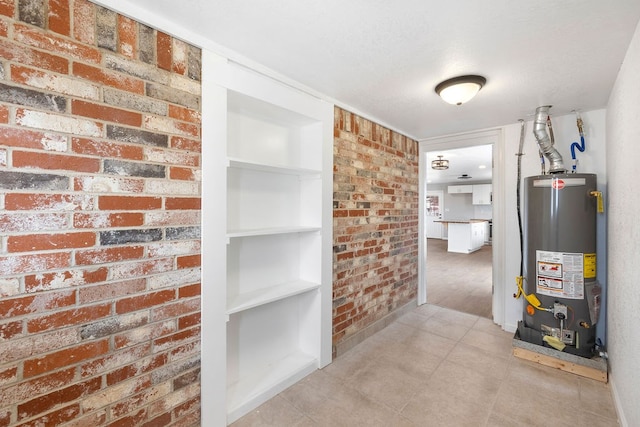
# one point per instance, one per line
(437, 367)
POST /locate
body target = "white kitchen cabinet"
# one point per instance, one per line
(273, 207)
(481, 194)
(487, 232)
(460, 189)
(465, 236)
(477, 235)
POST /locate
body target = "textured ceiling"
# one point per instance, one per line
(383, 58)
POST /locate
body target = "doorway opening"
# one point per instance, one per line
(461, 282)
(458, 227)
(454, 276)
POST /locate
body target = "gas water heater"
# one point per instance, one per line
(559, 255)
(560, 260)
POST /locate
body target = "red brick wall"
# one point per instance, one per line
(375, 223)
(99, 219)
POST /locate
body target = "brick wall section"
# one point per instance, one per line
(375, 223)
(99, 219)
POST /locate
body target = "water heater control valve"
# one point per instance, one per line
(559, 311)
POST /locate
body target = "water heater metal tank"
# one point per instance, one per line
(560, 260)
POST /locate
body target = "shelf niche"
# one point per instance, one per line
(273, 201)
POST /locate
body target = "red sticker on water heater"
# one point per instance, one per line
(558, 184)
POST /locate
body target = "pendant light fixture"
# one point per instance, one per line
(440, 164)
(459, 90)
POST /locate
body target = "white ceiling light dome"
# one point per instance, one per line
(459, 90)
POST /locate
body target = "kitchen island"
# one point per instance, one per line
(465, 236)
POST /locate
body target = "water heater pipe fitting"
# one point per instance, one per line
(544, 142)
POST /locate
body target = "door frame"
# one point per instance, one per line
(494, 137)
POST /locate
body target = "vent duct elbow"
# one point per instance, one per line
(544, 142)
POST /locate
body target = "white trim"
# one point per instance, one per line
(494, 137)
(422, 228)
(616, 401)
(213, 298)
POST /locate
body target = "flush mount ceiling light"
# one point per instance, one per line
(440, 164)
(459, 90)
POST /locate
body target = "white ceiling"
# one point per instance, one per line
(383, 58)
(475, 162)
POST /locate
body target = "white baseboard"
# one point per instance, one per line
(510, 327)
(616, 402)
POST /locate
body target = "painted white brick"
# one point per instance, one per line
(180, 51)
(104, 184)
(175, 278)
(57, 123)
(184, 188)
(157, 155)
(154, 330)
(185, 84)
(162, 249)
(138, 69)
(185, 352)
(172, 218)
(138, 269)
(112, 394)
(163, 125)
(54, 142)
(101, 220)
(65, 85)
(135, 102)
(177, 397)
(9, 287)
(60, 281)
(37, 344)
(120, 358)
(76, 202)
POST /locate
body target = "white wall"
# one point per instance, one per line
(482, 212)
(593, 160)
(623, 203)
(460, 206)
(457, 206)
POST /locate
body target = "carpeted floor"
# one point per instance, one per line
(461, 282)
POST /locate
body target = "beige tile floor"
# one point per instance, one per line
(437, 367)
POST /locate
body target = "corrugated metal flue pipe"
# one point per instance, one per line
(544, 142)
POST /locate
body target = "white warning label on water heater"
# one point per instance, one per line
(560, 274)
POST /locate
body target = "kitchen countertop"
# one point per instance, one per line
(465, 235)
